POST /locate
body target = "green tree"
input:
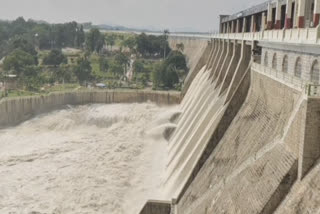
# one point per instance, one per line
(19, 26)
(123, 60)
(83, 70)
(55, 58)
(170, 72)
(23, 44)
(116, 68)
(80, 37)
(32, 80)
(95, 40)
(165, 42)
(63, 73)
(143, 44)
(110, 40)
(3, 33)
(150, 45)
(104, 64)
(156, 75)
(130, 43)
(138, 67)
(171, 76)
(144, 79)
(17, 61)
(40, 36)
(180, 47)
(177, 59)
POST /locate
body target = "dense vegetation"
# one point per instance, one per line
(41, 55)
(40, 35)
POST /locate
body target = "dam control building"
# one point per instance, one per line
(248, 138)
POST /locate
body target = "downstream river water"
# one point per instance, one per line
(88, 159)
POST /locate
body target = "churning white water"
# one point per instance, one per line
(85, 159)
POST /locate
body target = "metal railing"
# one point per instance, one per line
(297, 35)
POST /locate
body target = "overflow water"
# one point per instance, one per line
(85, 159)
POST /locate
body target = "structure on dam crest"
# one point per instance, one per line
(248, 137)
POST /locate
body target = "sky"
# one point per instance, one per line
(176, 15)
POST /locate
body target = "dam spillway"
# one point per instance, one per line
(247, 139)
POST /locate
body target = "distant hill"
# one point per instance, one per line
(88, 26)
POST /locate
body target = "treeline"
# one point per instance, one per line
(152, 46)
(33, 52)
(40, 35)
(167, 70)
(145, 45)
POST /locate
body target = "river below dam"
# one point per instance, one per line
(87, 159)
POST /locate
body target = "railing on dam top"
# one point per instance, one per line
(299, 35)
(282, 76)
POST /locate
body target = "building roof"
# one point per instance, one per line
(250, 11)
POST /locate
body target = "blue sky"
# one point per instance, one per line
(199, 15)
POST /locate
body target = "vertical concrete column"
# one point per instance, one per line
(237, 26)
(288, 21)
(215, 58)
(244, 25)
(269, 18)
(309, 150)
(240, 70)
(217, 67)
(232, 65)
(316, 14)
(212, 53)
(253, 22)
(278, 16)
(225, 63)
(294, 15)
(263, 21)
(232, 26)
(209, 53)
(301, 13)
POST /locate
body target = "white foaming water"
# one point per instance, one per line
(86, 159)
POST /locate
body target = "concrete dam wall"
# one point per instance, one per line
(247, 139)
(194, 49)
(16, 110)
